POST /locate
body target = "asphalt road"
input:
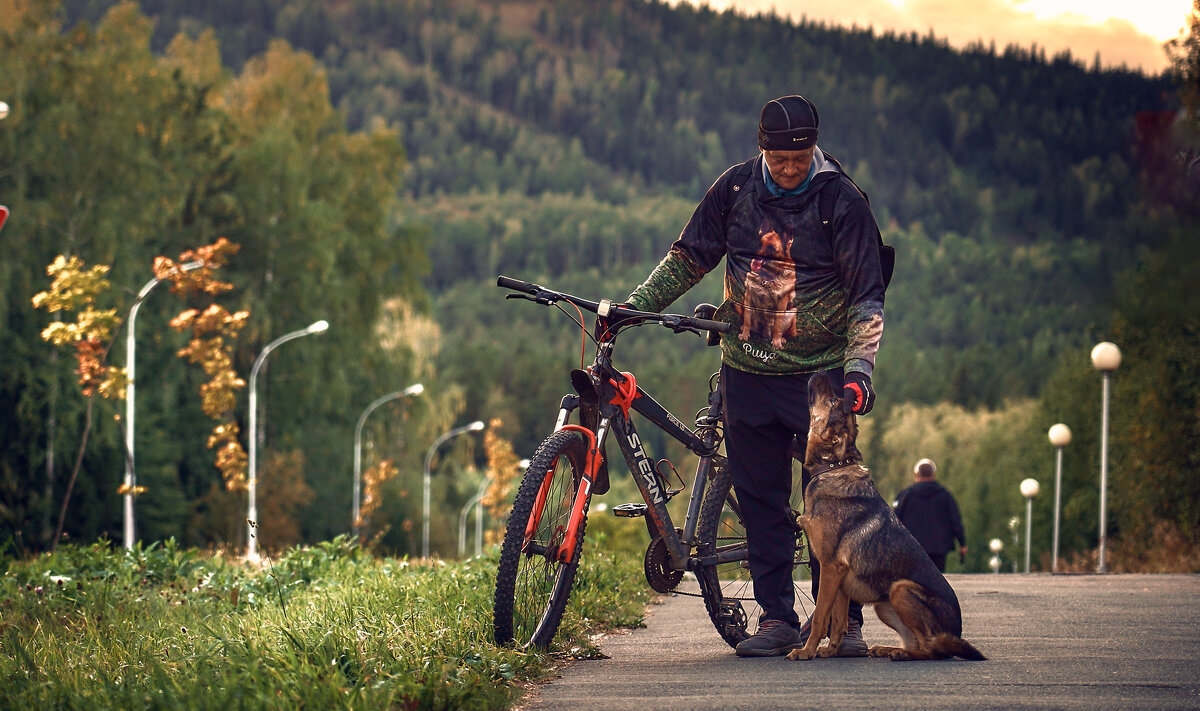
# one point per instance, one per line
(1053, 642)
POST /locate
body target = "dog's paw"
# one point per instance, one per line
(884, 650)
(800, 653)
(900, 656)
(827, 651)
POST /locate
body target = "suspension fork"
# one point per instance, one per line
(566, 551)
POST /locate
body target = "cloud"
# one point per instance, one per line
(1118, 41)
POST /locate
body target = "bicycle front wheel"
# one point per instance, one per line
(532, 584)
(725, 584)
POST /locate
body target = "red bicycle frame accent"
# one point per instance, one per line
(567, 549)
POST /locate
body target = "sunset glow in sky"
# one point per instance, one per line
(1131, 32)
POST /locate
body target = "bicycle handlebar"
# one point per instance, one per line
(542, 295)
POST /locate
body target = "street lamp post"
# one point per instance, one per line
(252, 510)
(477, 502)
(1060, 436)
(1029, 489)
(473, 427)
(462, 520)
(130, 404)
(1106, 358)
(416, 389)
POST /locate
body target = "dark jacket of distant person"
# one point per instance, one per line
(930, 513)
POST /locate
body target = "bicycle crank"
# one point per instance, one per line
(659, 574)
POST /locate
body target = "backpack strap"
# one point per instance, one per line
(738, 180)
(825, 204)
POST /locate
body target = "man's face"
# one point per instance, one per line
(789, 168)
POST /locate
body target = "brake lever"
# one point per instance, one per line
(676, 324)
(541, 298)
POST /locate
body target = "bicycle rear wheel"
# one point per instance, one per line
(532, 585)
(726, 585)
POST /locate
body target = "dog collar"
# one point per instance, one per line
(830, 466)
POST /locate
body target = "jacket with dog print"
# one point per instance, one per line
(798, 304)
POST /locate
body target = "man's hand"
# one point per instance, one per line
(857, 395)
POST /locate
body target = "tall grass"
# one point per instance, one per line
(327, 626)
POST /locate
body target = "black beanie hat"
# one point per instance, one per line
(788, 123)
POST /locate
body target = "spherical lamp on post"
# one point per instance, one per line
(1060, 436)
(1106, 358)
(995, 545)
(1029, 489)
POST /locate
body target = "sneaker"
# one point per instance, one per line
(774, 637)
(805, 630)
(852, 644)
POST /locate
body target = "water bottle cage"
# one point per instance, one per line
(664, 478)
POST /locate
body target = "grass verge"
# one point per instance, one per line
(327, 626)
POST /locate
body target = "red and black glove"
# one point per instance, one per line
(857, 395)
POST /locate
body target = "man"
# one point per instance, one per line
(930, 513)
(800, 303)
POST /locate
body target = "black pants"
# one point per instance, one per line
(939, 559)
(764, 414)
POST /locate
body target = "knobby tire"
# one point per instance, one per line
(727, 586)
(532, 588)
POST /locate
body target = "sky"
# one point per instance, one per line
(1128, 32)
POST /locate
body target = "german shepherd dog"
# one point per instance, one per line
(865, 553)
(766, 308)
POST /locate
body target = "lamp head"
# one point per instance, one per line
(996, 545)
(1060, 435)
(318, 327)
(476, 426)
(415, 389)
(1029, 488)
(1106, 357)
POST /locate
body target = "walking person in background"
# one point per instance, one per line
(930, 513)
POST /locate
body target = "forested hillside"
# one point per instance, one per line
(566, 142)
(1011, 183)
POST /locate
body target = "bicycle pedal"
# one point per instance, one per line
(630, 510)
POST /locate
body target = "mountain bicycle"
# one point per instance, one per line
(544, 535)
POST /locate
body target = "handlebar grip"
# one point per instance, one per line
(708, 325)
(516, 285)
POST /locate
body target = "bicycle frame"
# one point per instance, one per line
(616, 398)
(538, 562)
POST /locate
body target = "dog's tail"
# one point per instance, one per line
(954, 646)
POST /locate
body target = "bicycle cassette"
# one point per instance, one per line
(658, 567)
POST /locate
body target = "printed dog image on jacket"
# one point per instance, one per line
(766, 309)
(865, 553)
